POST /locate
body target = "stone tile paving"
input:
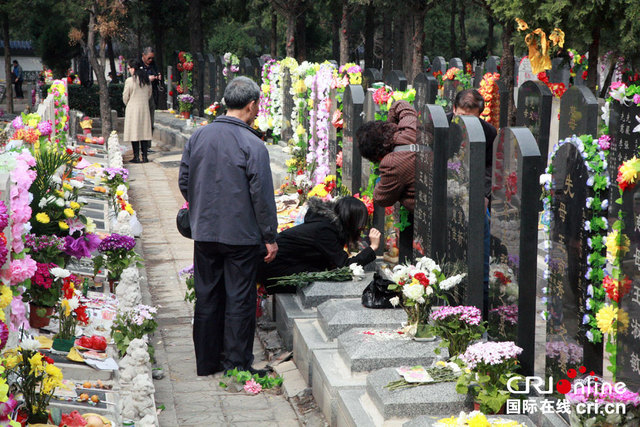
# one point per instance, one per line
(189, 400)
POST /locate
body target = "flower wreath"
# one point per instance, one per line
(595, 160)
(558, 89)
(454, 73)
(185, 63)
(264, 120)
(231, 65)
(491, 95)
(301, 81)
(318, 155)
(579, 64)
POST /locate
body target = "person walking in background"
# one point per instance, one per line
(149, 64)
(17, 79)
(137, 118)
(225, 176)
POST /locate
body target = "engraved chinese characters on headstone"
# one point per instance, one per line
(439, 64)
(492, 65)
(465, 202)
(287, 106)
(430, 185)
(578, 113)
(624, 143)
(457, 63)
(396, 79)
(370, 109)
(503, 100)
(450, 90)
(352, 104)
(426, 87)
(371, 76)
(628, 343)
(534, 112)
(567, 283)
(524, 72)
(514, 229)
(212, 77)
(334, 149)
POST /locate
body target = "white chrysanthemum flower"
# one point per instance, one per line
(356, 270)
(394, 301)
(74, 302)
(60, 202)
(413, 291)
(30, 344)
(60, 273)
(452, 281)
(75, 183)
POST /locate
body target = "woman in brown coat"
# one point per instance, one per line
(137, 118)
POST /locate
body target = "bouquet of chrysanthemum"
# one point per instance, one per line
(70, 310)
(595, 394)
(186, 102)
(116, 254)
(131, 324)
(490, 365)
(458, 327)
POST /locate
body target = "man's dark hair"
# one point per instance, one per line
(353, 216)
(15, 62)
(469, 99)
(147, 50)
(375, 139)
(240, 92)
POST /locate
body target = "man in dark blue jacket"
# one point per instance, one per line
(226, 178)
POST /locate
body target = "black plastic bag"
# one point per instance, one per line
(182, 222)
(377, 294)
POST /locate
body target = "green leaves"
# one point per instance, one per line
(302, 279)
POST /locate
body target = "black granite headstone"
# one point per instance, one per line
(449, 92)
(370, 76)
(456, 62)
(560, 71)
(221, 83)
(514, 240)
(624, 144)
(426, 64)
(287, 106)
(439, 64)
(492, 64)
(430, 185)
(211, 71)
(353, 102)
(465, 202)
(396, 79)
(426, 87)
(257, 64)
(578, 113)
(245, 67)
(504, 102)
(569, 250)
(534, 112)
(199, 89)
(628, 343)
(333, 133)
(477, 78)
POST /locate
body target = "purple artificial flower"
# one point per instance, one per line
(45, 128)
(604, 142)
(4, 334)
(17, 123)
(467, 314)
(636, 98)
(81, 247)
(117, 241)
(4, 216)
(112, 172)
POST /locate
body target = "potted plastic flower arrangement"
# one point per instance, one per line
(417, 287)
(70, 312)
(185, 101)
(35, 376)
(594, 393)
(490, 365)
(115, 253)
(458, 327)
(131, 324)
(43, 292)
(212, 111)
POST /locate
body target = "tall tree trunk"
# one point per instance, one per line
(507, 70)
(301, 38)
(399, 23)
(98, 67)
(592, 75)
(417, 65)
(344, 32)
(7, 61)
(274, 35)
(463, 33)
(369, 35)
(452, 30)
(490, 41)
(387, 59)
(407, 46)
(196, 45)
(336, 17)
(158, 34)
(112, 60)
(291, 34)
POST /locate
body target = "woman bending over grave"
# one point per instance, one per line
(393, 144)
(318, 244)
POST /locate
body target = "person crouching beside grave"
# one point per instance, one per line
(318, 243)
(393, 144)
(470, 102)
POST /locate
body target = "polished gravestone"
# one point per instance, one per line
(465, 202)
(371, 76)
(514, 230)
(287, 107)
(457, 63)
(560, 71)
(578, 113)
(567, 283)
(256, 65)
(212, 77)
(525, 73)
(340, 315)
(439, 64)
(353, 102)
(534, 112)
(624, 144)
(430, 182)
(396, 79)
(334, 146)
(246, 67)
(221, 82)
(426, 87)
(492, 65)
(449, 91)
(477, 76)
(318, 292)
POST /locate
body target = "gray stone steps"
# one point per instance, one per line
(287, 309)
(338, 316)
(307, 337)
(430, 420)
(319, 292)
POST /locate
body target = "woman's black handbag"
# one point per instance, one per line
(377, 294)
(182, 222)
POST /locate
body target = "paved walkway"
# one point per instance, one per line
(189, 400)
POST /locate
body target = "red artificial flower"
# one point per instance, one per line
(339, 159)
(181, 56)
(337, 120)
(188, 66)
(69, 151)
(179, 89)
(585, 74)
(49, 360)
(170, 93)
(81, 313)
(179, 67)
(501, 278)
(424, 281)
(616, 289)
(388, 210)
(381, 96)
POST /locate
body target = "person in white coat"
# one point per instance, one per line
(137, 117)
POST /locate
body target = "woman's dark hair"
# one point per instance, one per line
(140, 73)
(375, 139)
(353, 216)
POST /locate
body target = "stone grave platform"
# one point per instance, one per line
(338, 316)
(308, 336)
(430, 420)
(287, 309)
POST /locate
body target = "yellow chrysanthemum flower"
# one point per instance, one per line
(629, 170)
(63, 225)
(37, 367)
(607, 318)
(119, 193)
(12, 361)
(129, 209)
(42, 218)
(300, 130)
(6, 296)
(54, 372)
(74, 205)
(479, 420)
(318, 191)
(356, 79)
(67, 187)
(66, 307)
(69, 213)
(617, 246)
(299, 86)
(451, 421)
(329, 178)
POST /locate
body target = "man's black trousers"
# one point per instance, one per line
(225, 312)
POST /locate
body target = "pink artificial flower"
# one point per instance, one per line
(252, 387)
(18, 314)
(22, 269)
(605, 142)
(636, 98)
(74, 225)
